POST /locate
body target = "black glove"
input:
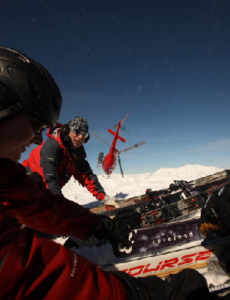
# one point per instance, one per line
(209, 216)
(131, 216)
(116, 232)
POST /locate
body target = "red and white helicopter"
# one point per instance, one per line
(109, 162)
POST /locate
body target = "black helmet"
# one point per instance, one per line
(30, 85)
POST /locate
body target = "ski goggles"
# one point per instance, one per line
(83, 133)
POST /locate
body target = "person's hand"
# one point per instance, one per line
(117, 232)
(110, 200)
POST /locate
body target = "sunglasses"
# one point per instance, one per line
(83, 133)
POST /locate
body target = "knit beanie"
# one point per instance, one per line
(78, 124)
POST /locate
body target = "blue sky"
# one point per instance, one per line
(166, 63)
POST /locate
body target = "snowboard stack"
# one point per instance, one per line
(161, 207)
(166, 237)
(177, 190)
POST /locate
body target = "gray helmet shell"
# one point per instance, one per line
(31, 86)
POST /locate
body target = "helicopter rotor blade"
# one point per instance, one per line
(119, 161)
(134, 146)
(100, 138)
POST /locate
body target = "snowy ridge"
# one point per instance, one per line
(187, 172)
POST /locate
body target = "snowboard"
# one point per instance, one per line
(165, 263)
(151, 240)
(204, 256)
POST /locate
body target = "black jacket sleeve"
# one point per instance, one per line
(222, 205)
(49, 161)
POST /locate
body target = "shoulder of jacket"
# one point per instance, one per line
(50, 144)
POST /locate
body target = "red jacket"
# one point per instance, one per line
(56, 163)
(32, 268)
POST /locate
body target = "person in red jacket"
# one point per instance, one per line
(63, 155)
(38, 268)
